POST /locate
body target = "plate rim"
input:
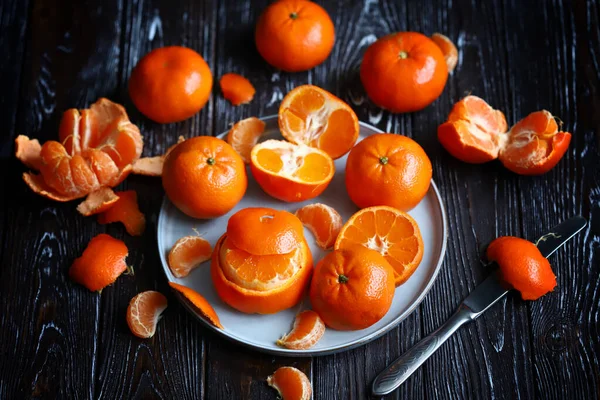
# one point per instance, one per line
(312, 353)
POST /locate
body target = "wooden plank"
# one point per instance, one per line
(172, 363)
(49, 325)
(564, 324)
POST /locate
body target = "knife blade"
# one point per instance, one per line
(486, 294)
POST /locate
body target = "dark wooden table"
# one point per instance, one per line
(57, 340)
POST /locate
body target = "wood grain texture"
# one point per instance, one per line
(57, 340)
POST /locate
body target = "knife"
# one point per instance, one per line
(477, 302)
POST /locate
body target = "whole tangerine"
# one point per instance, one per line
(294, 35)
(170, 84)
(387, 169)
(353, 288)
(403, 72)
(204, 177)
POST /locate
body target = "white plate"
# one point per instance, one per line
(261, 331)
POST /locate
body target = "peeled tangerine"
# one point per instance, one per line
(96, 150)
(476, 133)
(262, 264)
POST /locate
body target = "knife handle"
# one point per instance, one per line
(404, 366)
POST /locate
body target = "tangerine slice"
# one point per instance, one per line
(286, 295)
(323, 221)
(187, 254)
(201, 305)
(291, 172)
(391, 232)
(28, 152)
(534, 145)
(291, 384)
(244, 135)
(279, 231)
(261, 273)
(144, 311)
(37, 184)
(101, 263)
(474, 132)
(153, 166)
(97, 202)
(448, 48)
(315, 117)
(126, 211)
(237, 89)
(307, 331)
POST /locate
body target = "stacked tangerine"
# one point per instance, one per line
(261, 276)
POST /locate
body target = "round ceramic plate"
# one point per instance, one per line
(261, 331)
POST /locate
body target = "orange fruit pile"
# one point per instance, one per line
(391, 232)
(170, 84)
(204, 177)
(315, 117)
(476, 133)
(352, 288)
(403, 72)
(522, 266)
(388, 169)
(291, 172)
(261, 276)
(294, 35)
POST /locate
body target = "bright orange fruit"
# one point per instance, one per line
(388, 169)
(144, 311)
(200, 304)
(101, 263)
(237, 89)
(244, 135)
(126, 211)
(315, 117)
(291, 172)
(448, 49)
(391, 232)
(323, 221)
(291, 384)
(352, 288)
(307, 331)
(187, 254)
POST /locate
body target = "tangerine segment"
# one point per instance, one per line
(315, 117)
(28, 152)
(249, 301)
(391, 232)
(307, 331)
(97, 202)
(201, 305)
(474, 132)
(534, 145)
(125, 210)
(144, 311)
(237, 89)
(522, 266)
(279, 232)
(448, 49)
(101, 263)
(261, 273)
(244, 135)
(291, 384)
(187, 254)
(291, 172)
(323, 221)
(37, 185)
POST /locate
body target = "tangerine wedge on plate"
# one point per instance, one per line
(291, 384)
(307, 331)
(391, 232)
(144, 311)
(244, 135)
(323, 221)
(187, 254)
(315, 117)
(200, 304)
(291, 172)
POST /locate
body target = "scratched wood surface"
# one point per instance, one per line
(59, 341)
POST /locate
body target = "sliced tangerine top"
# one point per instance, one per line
(391, 232)
(261, 273)
(315, 117)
